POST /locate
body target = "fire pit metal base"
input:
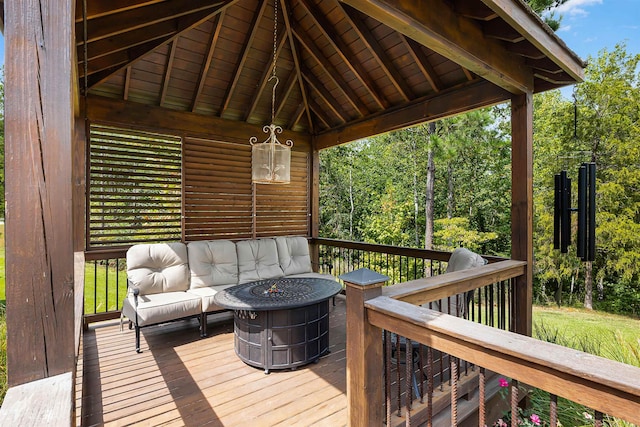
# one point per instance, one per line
(280, 324)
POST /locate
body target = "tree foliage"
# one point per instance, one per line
(375, 190)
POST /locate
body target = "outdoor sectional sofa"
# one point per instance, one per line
(171, 281)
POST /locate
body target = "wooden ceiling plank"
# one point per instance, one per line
(297, 61)
(126, 40)
(184, 23)
(264, 79)
(204, 70)
(357, 22)
(167, 72)
(542, 37)
(316, 85)
(98, 8)
(330, 71)
(421, 60)
(453, 36)
(345, 53)
(474, 95)
(248, 41)
(112, 25)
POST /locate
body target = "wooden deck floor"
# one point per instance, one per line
(180, 379)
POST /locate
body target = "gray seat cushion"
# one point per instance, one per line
(162, 307)
(206, 294)
(257, 260)
(158, 268)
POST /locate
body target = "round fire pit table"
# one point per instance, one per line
(280, 323)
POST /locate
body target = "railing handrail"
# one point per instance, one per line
(601, 384)
(393, 250)
(422, 291)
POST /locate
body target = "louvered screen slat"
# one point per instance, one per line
(135, 187)
(219, 200)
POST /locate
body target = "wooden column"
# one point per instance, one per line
(314, 201)
(364, 350)
(39, 110)
(522, 208)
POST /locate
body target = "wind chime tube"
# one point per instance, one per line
(581, 246)
(591, 236)
(565, 229)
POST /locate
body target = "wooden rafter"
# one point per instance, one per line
(119, 23)
(474, 10)
(320, 113)
(202, 77)
(329, 70)
(129, 56)
(167, 71)
(297, 61)
(421, 60)
(318, 89)
(264, 79)
(355, 19)
(251, 34)
(284, 94)
(127, 83)
(446, 103)
(98, 8)
(453, 36)
(345, 53)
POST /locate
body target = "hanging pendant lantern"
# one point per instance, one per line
(271, 160)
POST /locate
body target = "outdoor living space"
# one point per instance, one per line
(135, 122)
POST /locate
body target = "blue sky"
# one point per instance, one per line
(587, 27)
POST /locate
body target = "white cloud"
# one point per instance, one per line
(576, 7)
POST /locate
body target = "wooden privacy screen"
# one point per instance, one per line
(219, 198)
(138, 191)
(134, 191)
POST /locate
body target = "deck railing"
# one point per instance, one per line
(605, 386)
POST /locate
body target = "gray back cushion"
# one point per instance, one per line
(257, 260)
(463, 259)
(293, 254)
(213, 263)
(158, 267)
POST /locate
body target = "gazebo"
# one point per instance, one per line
(191, 80)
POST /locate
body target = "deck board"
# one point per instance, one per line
(182, 380)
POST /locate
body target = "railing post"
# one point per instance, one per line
(364, 350)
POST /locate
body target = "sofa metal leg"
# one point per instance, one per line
(138, 339)
(203, 325)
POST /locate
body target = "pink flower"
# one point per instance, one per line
(535, 419)
(503, 382)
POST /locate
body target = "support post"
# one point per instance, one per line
(364, 350)
(522, 209)
(39, 135)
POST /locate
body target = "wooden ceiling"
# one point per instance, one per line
(338, 63)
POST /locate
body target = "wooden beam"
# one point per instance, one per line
(531, 26)
(324, 95)
(39, 136)
(284, 94)
(130, 20)
(167, 71)
(345, 53)
(446, 103)
(183, 24)
(237, 71)
(356, 21)
(204, 70)
(453, 36)
(97, 8)
(330, 71)
(297, 61)
(522, 208)
(112, 111)
(421, 60)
